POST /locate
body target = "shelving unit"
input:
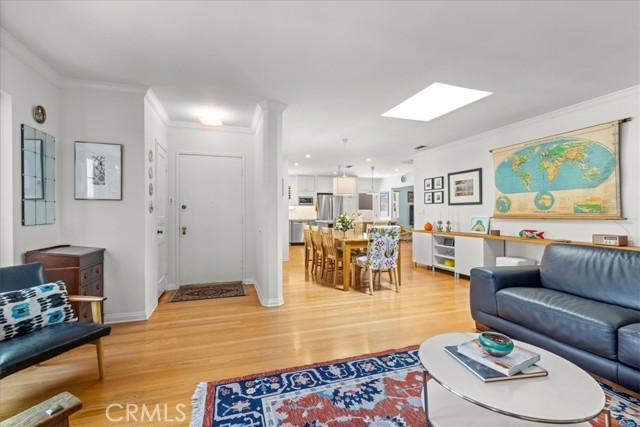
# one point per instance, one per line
(444, 250)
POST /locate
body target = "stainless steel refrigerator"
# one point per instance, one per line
(329, 206)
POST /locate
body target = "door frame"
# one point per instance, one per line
(176, 209)
(167, 212)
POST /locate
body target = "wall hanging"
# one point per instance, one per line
(465, 187)
(98, 171)
(38, 177)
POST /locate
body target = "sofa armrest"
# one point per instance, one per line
(487, 281)
(96, 305)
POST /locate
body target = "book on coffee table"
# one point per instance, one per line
(487, 374)
(510, 364)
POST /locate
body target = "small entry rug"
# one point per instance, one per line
(208, 290)
(377, 390)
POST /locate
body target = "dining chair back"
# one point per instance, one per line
(308, 246)
(333, 262)
(318, 251)
(382, 253)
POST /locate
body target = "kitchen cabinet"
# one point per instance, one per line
(79, 267)
(324, 184)
(349, 204)
(306, 184)
(422, 249)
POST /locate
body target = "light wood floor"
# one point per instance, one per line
(161, 361)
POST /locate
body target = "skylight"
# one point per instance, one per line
(436, 100)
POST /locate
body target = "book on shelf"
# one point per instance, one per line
(486, 374)
(510, 364)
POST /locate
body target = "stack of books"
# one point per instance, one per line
(520, 363)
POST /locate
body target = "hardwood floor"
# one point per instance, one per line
(160, 361)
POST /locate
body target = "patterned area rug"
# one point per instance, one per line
(208, 290)
(380, 390)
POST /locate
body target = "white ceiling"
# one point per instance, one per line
(338, 65)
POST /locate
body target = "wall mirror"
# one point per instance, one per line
(38, 177)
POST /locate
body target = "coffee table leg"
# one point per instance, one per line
(426, 400)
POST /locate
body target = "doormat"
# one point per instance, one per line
(208, 290)
(382, 389)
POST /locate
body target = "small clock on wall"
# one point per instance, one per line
(39, 114)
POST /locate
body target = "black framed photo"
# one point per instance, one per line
(428, 198)
(410, 197)
(438, 183)
(428, 184)
(465, 187)
(98, 171)
(438, 197)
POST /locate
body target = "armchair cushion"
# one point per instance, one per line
(29, 309)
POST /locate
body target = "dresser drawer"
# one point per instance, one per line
(90, 273)
(93, 289)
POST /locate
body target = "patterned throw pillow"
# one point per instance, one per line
(33, 308)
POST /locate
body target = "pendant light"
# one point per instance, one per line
(372, 191)
(344, 184)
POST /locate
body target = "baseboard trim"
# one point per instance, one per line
(273, 302)
(136, 316)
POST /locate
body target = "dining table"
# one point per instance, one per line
(350, 241)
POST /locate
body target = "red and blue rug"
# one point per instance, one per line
(379, 390)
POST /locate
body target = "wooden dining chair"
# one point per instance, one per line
(382, 254)
(333, 261)
(308, 247)
(318, 251)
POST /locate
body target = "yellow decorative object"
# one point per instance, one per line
(449, 263)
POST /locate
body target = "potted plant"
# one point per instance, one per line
(343, 223)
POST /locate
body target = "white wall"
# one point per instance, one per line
(28, 82)
(473, 152)
(203, 140)
(111, 115)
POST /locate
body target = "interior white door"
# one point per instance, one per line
(210, 219)
(161, 207)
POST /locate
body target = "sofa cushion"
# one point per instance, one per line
(629, 345)
(26, 350)
(26, 310)
(583, 323)
(603, 274)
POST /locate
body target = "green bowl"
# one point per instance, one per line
(495, 344)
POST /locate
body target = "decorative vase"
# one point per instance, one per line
(495, 344)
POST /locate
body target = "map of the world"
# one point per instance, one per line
(568, 175)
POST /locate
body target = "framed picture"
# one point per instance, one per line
(428, 198)
(98, 171)
(479, 224)
(428, 184)
(410, 197)
(438, 197)
(465, 187)
(438, 183)
(384, 204)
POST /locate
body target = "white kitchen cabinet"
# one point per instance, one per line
(349, 204)
(324, 184)
(307, 184)
(422, 249)
(460, 254)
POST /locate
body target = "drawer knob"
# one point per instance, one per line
(97, 271)
(86, 275)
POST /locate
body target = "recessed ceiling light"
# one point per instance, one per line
(368, 160)
(308, 156)
(209, 118)
(436, 100)
(396, 169)
(296, 164)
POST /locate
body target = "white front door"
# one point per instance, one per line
(210, 226)
(161, 216)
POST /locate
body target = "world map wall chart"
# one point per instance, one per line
(570, 175)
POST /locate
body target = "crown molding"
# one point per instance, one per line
(632, 91)
(155, 104)
(107, 86)
(200, 126)
(272, 105)
(257, 116)
(30, 59)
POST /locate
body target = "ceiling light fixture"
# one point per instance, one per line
(210, 118)
(345, 184)
(434, 101)
(372, 191)
(308, 156)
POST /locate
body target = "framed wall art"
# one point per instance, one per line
(428, 198)
(479, 224)
(410, 197)
(438, 197)
(438, 183)
(428, 184)
(465, 187)
(98, 171)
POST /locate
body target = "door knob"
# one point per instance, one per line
(184, 229)
(160, 232)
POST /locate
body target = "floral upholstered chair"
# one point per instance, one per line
(382, 253)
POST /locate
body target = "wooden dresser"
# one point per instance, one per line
(80, 267)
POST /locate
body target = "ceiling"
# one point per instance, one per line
(339, 65)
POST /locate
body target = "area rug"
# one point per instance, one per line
(377, 390)
(208, 290)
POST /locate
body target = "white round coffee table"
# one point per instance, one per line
(455, 397)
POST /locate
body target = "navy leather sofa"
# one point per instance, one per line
(581, 303)
(22, 351)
